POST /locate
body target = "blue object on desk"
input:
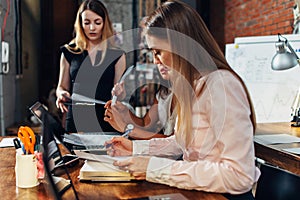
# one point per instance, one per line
(37, 143)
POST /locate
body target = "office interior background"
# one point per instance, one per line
(35, 29)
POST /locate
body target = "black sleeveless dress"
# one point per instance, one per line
(94, 82)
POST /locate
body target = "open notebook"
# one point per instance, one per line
(101, 171)
(101, 168)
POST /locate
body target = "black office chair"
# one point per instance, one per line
(277, 184)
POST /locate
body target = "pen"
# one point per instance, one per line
(125, 135)
(18, 146)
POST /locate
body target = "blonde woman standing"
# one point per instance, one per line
(90, 65)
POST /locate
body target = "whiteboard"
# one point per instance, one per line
(272, 92)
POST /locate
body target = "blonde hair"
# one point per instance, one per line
(80, 40)
(176, 16)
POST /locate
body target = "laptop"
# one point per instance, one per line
(38, 110)
(92, 142)
(55, 128)
(55, 174)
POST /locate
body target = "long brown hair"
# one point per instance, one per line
(177, 16)
(80, 40)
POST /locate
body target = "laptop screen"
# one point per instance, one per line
(86, 140)
(54, 162)
(38, 109)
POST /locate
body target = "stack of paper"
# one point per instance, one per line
(101, 168)
(100, 171)
(7, 142)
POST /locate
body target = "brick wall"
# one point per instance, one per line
(257, 18)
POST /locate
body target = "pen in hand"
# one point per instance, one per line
(124, 135)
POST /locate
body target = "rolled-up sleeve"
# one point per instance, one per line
(159, 170)
(158, 147)
(140, 147)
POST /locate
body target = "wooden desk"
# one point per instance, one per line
(273, 153)
(8, 189)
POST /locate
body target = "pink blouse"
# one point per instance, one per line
(221, 156)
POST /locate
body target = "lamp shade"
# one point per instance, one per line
(283, 59)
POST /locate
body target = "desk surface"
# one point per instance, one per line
(274, 154)
(8, 189)
(270, 153)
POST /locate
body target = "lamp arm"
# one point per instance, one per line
(297, 2)
(292, 50)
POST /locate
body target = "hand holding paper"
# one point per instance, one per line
(63, 97)
(137, 166)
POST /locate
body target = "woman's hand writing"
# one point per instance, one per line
(119, 146)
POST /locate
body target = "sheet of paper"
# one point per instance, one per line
(293, 150)
(88, 140)
(127, 72)
(99, 158)
(94, 168)
(81, 98)
(172, 196)
(100, 171)
(276, 139)
(7, 142)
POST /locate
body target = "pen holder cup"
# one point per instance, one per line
(26, 171)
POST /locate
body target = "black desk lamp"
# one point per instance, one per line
(285, 60)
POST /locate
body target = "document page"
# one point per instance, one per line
(95, 141)
(100, 158)
(80, 98)
(293, 150)
(276, 139)
(7, 142)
